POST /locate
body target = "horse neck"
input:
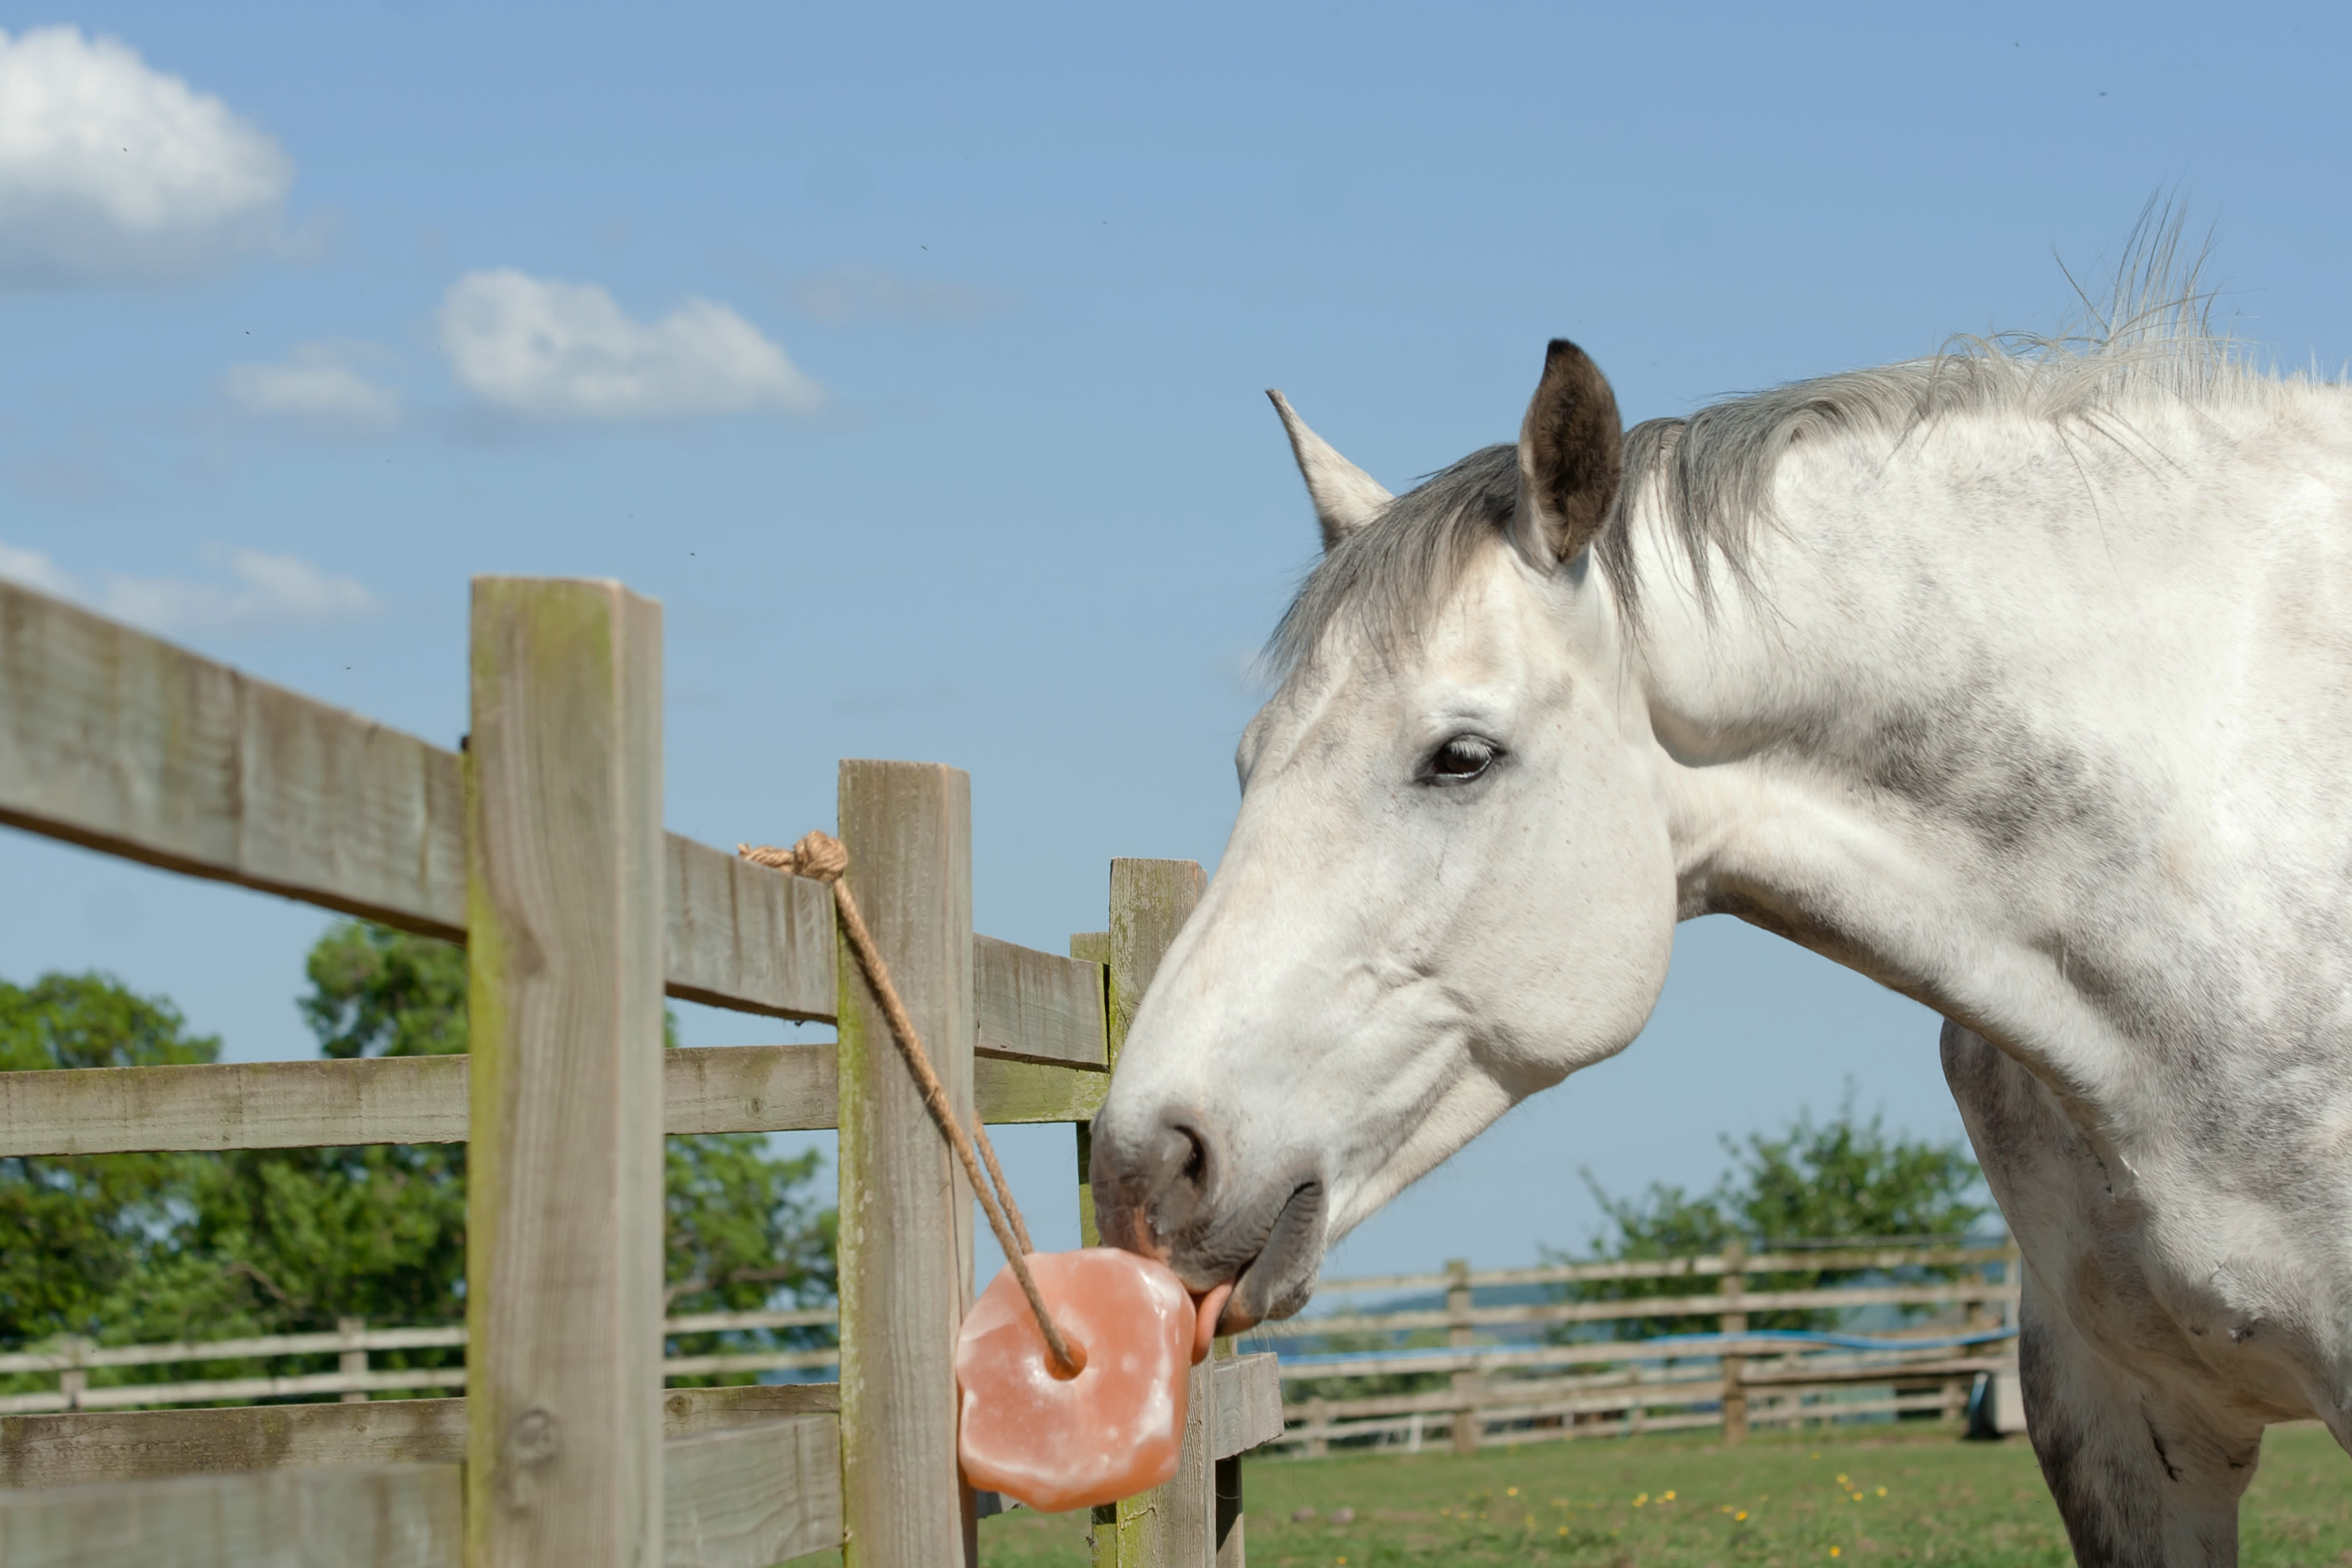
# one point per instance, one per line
(1960, 729)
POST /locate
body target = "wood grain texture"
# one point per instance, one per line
(120, 741)
(1175, 1523)
(905, 1250)
(115, 739)
(1249, 1403)
(1037, 1091)
(752, 1496)
(242, 1105)
(424, 1100)
(405, 1516)
(564, 1175)
(1094, 947)
(751, 1089)
(746, 936)
(88, 1448)
(1038, 1006)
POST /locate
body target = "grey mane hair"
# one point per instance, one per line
(1710, 475)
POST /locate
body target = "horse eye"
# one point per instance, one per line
(1462, 759)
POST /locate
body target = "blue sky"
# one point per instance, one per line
(913, 360)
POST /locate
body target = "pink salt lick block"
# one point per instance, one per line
(1113, 1430)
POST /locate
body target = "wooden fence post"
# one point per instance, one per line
(1176, 1523)
(1458, 1334)
(905, 1257)
(564, 961)
(1094, 946)
(74, 1380)
(353, 1362)
(1735, 1321)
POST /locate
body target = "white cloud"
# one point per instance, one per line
(549, 350)
(113, 172)
(862, 293)
(34, 570)
(270, 593)
(318, 384)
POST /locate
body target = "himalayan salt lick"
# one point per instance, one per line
(1113, 1430)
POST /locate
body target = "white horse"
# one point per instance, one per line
(2018, 679)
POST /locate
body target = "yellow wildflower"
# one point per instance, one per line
(1740, 1515)
(1669, 1496)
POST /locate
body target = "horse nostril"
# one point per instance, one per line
(1180, 1161)
(1151, 1186)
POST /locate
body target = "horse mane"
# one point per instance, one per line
(1711, 475)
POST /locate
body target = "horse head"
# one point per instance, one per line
(1450, 882)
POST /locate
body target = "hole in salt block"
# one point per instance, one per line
(1113, 1430)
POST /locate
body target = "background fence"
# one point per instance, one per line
(540, 848)
(1560, 1380)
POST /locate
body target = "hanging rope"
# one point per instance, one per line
(824, 858)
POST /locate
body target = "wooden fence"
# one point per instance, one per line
(1734, 1378)
(540, 847)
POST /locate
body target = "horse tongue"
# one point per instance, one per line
(1110, 1432)
(1207, 1308)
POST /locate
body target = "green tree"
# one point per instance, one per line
(1842, 1180)
(78, 1233)
(135, 1248)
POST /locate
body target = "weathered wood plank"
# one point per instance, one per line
(1035, 1091)
(686, 1411)
(90, 1448)
(115, 739)
(751, 1089)
(1038, 1006)
(397, 1100)
(121, 742)
(752, 1496)
(564, 1210)
(242, 1105)
(745, 937)
(1175, 1523)
(1249, 1403)
(905, 1253)
(405, 1516)
(93, 1448)
(423, 1100)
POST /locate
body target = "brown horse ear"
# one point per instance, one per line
(1571, 453)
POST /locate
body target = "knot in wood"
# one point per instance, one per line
(536, 1438)
(818, 855)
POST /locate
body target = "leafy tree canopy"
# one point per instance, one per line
(1843, 1179)
(128, 1247)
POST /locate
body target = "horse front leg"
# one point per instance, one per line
(2141, 1477)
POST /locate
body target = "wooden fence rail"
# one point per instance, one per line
(1502, 1393)
(539, 845)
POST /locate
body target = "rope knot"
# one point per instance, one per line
(818, 855)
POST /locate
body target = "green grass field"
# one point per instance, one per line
(1667, 1503)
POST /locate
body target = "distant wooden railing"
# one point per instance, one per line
(1518, 1393)
(73, 1361)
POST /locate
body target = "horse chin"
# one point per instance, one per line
(1279, 1278)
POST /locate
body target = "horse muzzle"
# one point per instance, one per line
(1169, 1190)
